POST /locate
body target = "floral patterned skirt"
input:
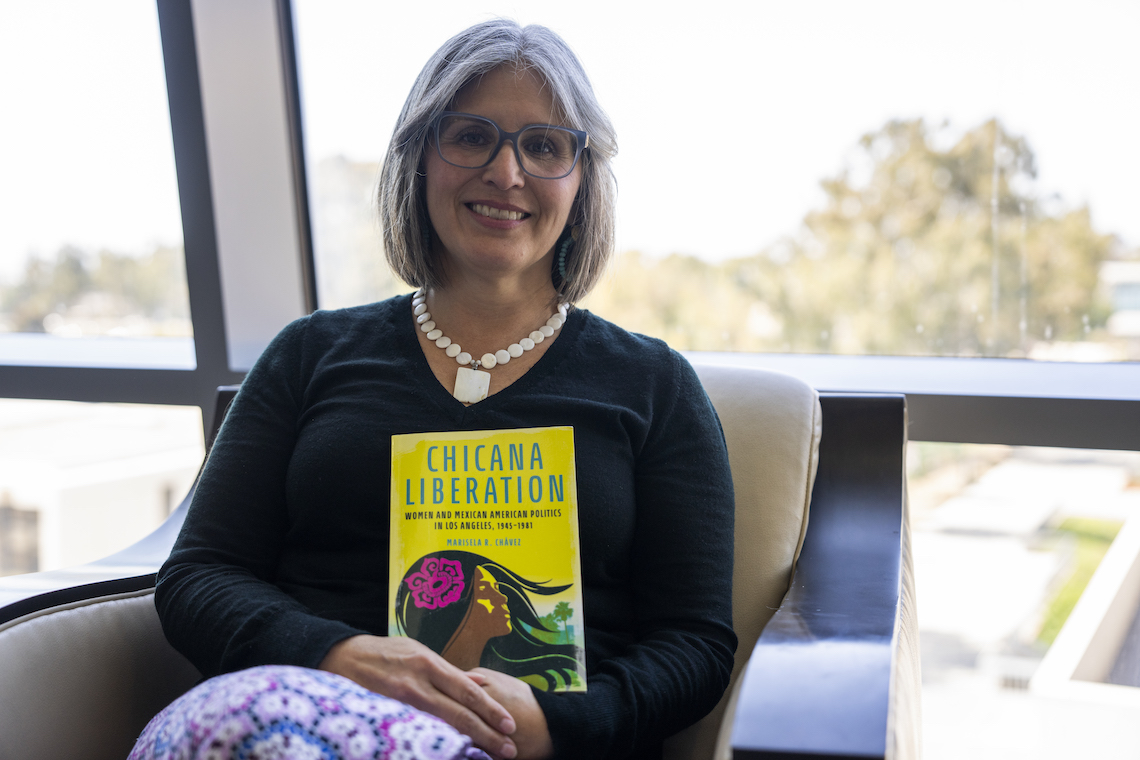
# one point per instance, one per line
(278, 712)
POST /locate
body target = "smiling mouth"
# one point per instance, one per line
(497, 213)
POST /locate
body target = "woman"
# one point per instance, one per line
(283, 556)
(481, 614)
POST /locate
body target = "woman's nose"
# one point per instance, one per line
(504, 170)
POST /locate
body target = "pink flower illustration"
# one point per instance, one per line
(438, 583)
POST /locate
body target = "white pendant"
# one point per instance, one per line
(471, 385)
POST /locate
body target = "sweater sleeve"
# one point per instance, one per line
(215, 594)
(679, 665)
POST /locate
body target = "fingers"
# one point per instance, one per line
(429, 683)
(406, 670)
(478, 715)
(532, 737)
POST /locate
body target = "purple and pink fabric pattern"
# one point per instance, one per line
(279, 712)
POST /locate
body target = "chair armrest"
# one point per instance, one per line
(821, 678)
(133, 569)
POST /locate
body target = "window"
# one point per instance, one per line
(92, 271)
(1008, 542)
(872, 179)
(79, 482)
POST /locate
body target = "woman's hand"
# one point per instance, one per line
(404, 669)
(532, 738)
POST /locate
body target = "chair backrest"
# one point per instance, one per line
(772, 424)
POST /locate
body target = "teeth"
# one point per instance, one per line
(496, 213)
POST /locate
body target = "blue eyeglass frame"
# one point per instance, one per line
(583, 142)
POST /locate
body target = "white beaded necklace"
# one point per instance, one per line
(472, 384)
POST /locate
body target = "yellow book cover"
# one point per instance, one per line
(484, 564)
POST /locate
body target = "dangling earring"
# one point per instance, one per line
(564, 250)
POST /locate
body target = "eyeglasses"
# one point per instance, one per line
(542, 150)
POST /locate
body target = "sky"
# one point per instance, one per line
(728, 114)
(85, 149)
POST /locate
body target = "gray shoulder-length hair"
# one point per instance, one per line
(472, 53)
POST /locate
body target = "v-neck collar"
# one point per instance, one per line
(435, 391)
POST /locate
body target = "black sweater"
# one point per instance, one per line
(284, 550)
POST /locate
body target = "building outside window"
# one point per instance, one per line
(19, 539)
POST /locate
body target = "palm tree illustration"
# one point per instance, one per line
(563, 612)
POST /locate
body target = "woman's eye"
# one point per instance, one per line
(548, 145)
(542, 148)
(472, 138)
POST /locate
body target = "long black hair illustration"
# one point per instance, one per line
(475, 612)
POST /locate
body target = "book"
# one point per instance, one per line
(484, 562)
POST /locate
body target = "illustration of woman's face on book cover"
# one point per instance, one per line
(489, 610)
(475, 612)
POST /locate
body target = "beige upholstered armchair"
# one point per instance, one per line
(825, 666)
